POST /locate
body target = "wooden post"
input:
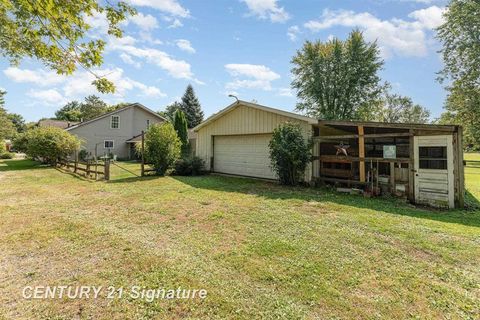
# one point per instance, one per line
(106, 169)
(87, 169)
(76, 161)
(96, 170)
(392, 177)
(411, 168)
(143, 157)
(361, 153)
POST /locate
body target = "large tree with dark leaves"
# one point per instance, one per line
(337, 80)
(191, 107)
(460, 36)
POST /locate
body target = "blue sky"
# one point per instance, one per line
(235, 46)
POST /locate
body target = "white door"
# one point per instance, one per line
(434, 183)
(246, 155)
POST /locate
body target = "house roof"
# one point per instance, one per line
(56, 123)
(256, 106)
(138, 105)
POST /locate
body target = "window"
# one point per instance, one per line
(108, 144)
(115, 122)
(148, 123)
(433, 157)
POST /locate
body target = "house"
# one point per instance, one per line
(421, 162)
(115, 132)
(56, 123)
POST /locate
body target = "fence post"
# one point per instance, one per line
(76, 161)
(106, 170)
(143, 157)
(87, 171)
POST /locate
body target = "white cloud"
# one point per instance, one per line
(430, 18)
(168, 6)
(293, 32)
(47, 97)
(259, 76)
(97, 21)
(78, 85)
(176, 68)
(267, 9)
(38, 77)
(129, 60)
(185, 45)
(144, 22)
(175, 24)
(394, 36)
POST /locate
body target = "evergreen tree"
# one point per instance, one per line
(191, 107)
(180, 125)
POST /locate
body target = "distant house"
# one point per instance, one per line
(115, 132)
(56, 123)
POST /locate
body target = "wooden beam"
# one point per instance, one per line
(392, 177)
(411, 168)
(366, 136)
(355, 182)
(412, 126)
(361, 153)
(332, 158)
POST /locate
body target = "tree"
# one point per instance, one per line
(7, 128)
(191, 107)
(337, 80)
(170, 110)
(69, 112)
(55, 32)
(401, 109)
(461, 72)
(47, 144)
(289, 153)
(18, 121)
(92, 107)
(162, 147)
(180, 125)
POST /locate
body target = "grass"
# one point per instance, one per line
(260, 250)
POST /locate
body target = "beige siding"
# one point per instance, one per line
(132, 121)
(240, 121)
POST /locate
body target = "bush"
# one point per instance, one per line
(162, 147)
(47, 144)
(7, 155)
(190, 166)
(290, 153)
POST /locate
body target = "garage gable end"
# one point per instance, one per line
(250, 126)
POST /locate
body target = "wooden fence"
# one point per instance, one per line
(89, 169)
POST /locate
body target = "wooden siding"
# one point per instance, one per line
(242, 120)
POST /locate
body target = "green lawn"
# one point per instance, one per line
(260, 250)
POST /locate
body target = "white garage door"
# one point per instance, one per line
(246, 155)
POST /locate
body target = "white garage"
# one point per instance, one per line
(245, 155)
(235, 140)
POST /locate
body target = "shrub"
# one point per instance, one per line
(83, 155)
(289, 153)
(47, 144)
(190, 166)
(7, 155)
(162, 147)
